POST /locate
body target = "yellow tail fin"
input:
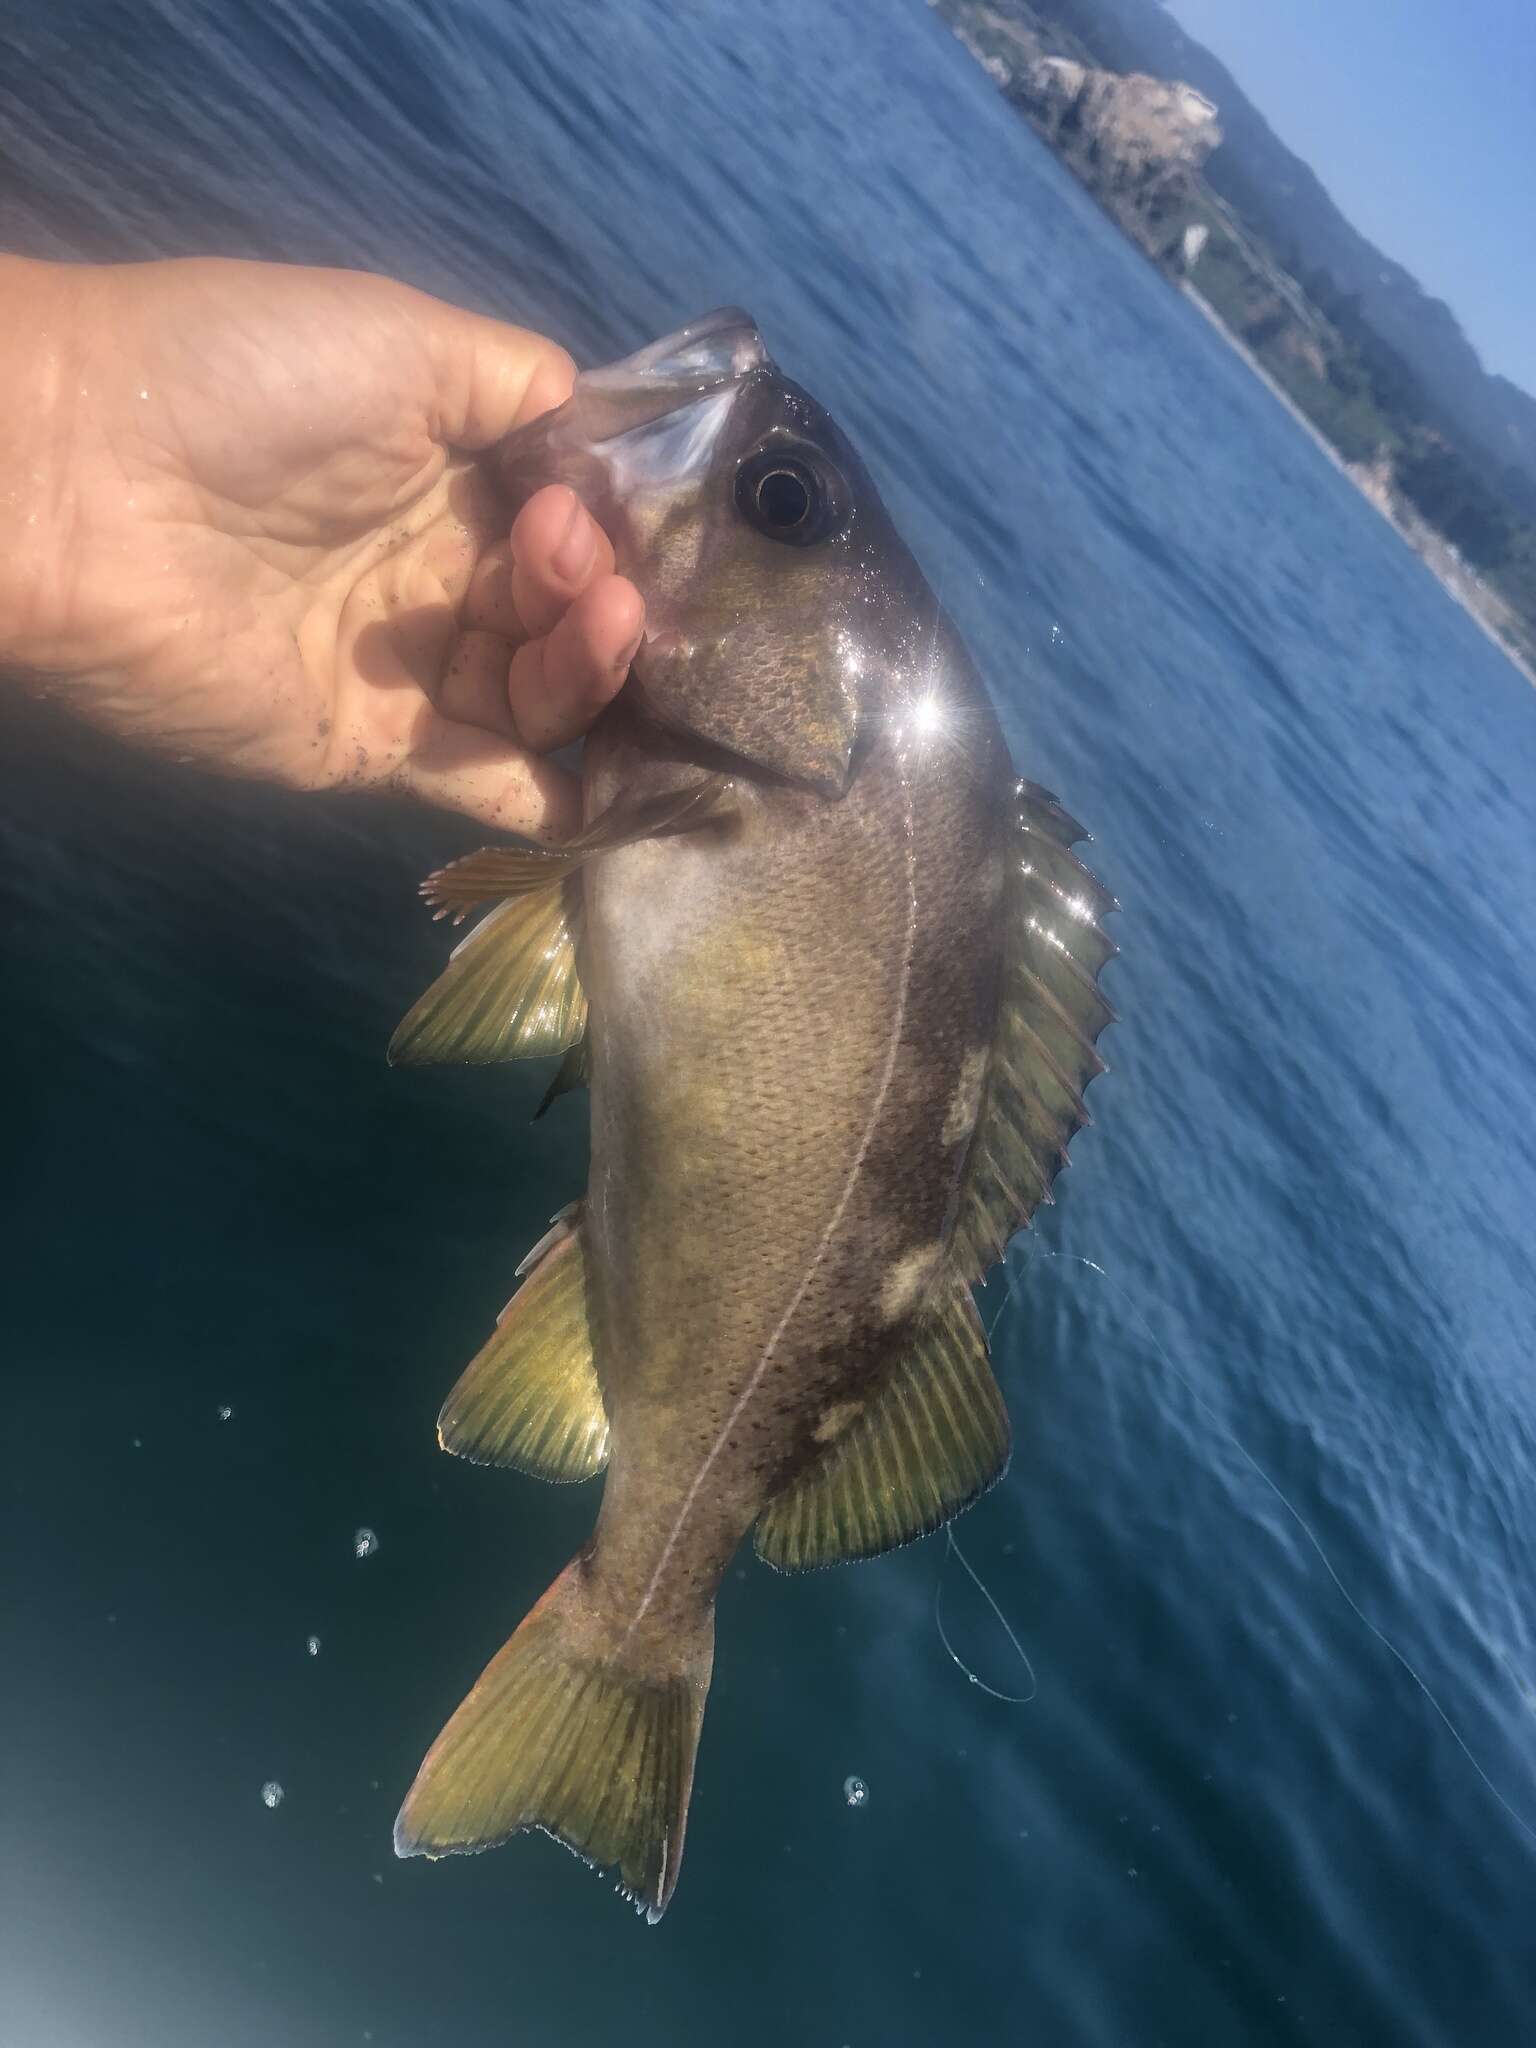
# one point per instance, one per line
(563, 1731)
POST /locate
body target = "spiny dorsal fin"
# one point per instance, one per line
(1049, 1016)
(930, 1441)
(530, 1398)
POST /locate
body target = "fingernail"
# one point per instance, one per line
(623, 660)
(577, 545)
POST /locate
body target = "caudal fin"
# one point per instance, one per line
(568, 1731)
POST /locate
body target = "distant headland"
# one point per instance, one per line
(1378, 372)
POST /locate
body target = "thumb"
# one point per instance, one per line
(490, 377)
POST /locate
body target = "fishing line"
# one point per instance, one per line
(1009, 1699)
(1296, 1516)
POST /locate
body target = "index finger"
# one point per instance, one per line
(523, 585)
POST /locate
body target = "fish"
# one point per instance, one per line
(830, 972)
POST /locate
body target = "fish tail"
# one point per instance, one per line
(572, 1729)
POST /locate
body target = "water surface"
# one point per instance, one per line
(1228, 1816)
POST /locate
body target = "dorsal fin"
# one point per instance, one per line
(930, 1441)
(530, 1397)
(1050, 1013)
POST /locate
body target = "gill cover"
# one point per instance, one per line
(743, 516)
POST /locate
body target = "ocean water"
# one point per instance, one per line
(1282, 1311)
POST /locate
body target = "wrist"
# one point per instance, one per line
(41, 357)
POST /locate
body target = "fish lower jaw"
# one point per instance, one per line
(667, 646)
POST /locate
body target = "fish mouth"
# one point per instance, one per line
(658, 653)
(669, 645)
(721, 349)
(579, 443)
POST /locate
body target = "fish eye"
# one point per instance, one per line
(788, 497)
(782, 499)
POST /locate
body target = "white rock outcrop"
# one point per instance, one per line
(1140, 134)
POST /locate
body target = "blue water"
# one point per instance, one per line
(1228, 1816)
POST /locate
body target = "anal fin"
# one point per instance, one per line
(530, 1398)
(932, 1440)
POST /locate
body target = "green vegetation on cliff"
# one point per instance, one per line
(1447, 450)
(1366, 400)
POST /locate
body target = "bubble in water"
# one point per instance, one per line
(364, 1543)
(225, 1411)
(855, 1791)
(312, 1644)
(271, 1793)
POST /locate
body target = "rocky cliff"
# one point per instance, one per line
(1134, 140)
(1139, 144)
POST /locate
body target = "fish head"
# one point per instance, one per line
(776, 589)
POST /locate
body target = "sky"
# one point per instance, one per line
(1419, 116)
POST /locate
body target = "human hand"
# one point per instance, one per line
(243, 521)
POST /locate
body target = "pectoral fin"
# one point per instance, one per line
(530, 1398)
(930, 1442)
(511, 989)
(516, 870)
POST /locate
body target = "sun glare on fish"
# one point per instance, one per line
(929, 719)
(849, 658)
